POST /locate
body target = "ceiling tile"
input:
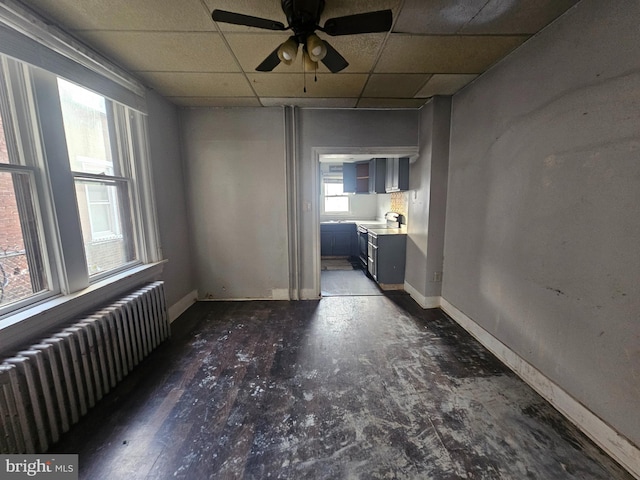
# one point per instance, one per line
(497, 17)
(444, 54)
(340, 8)
(257, 8)
(524, 16)
(437, 16)
(391, 85)
(187, 84)
(165, 51)
(215, 101)
(310, 102)
(167, 15)
(444, 84)
(291, 85)
(271, 10)
(390, 102)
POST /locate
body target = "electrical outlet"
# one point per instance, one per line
(437, 276)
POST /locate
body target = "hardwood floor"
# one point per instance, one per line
(348, 387)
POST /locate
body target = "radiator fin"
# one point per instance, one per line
(46, 388)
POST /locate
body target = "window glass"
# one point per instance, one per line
(104, 207)
(335, 200)
(22, 272)
(106, 225)
(87, 130)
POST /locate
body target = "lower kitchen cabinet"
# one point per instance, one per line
(386, 258)
(338, 239)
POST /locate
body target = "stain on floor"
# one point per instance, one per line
(361, 387)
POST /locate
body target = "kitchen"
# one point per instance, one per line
(363, 222)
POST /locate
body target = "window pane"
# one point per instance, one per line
(86, 128)
(106, 225)
(336, 204)
(22, 272)
(333, 189)
(4, 152)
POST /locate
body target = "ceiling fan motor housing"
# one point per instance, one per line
(303, 16)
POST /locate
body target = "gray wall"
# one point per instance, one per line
(168, 180)
(543, 212)
(237, 201)
(428, 199)
(340, 128)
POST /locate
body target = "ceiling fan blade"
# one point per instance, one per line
(247, 20)
(269, 63)
(333, 60)
(370, 22)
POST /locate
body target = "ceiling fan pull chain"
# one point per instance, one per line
(304, 76)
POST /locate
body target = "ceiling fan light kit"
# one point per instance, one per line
(316, 47)
(303, 17)
(288, 50)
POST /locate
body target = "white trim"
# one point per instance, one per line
(310, 293)
(614, 444)
(280, 294)
(182, 305)
(424, 302)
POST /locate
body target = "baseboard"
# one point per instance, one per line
(280, 294)
(616, 445)
(424, 302)
(181, 305)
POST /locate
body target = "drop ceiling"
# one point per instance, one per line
(435, 47)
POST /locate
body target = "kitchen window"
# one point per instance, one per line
(335, 199)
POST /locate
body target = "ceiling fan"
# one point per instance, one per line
(303, 17)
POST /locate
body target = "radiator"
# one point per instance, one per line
(47, 387)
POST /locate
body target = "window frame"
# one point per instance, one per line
(333, 179)
(31, 98)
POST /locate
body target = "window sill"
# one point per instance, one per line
(28, 325)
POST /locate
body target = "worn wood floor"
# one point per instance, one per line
(359, 387)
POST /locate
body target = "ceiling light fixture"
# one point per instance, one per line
(316, 48)
(288, 50)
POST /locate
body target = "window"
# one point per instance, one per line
(99, 171)
(74, 190)
(335, 200)
(24, 275)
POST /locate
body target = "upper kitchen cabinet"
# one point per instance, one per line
(365, 177)
(355, 177)
(397, 178)
(377, 175)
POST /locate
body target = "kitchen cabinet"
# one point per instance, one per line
(338, 239)
(355, 177)
(377, 175)
(397, 177)
(386, 258)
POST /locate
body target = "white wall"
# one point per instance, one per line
(237, 201)
(543, 207)
(168, 180)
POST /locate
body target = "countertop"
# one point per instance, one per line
(375, 226)
(388, 231)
